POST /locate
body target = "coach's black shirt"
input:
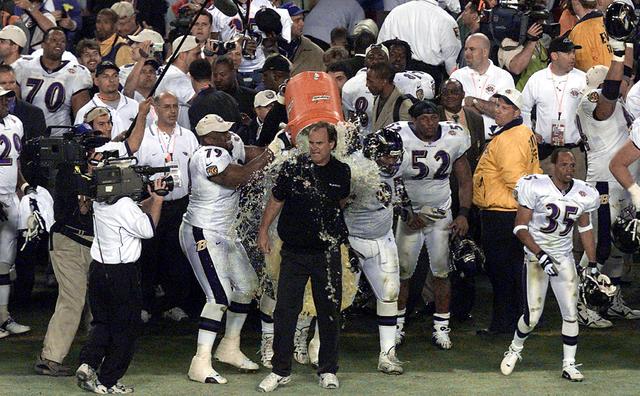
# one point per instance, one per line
(311, 219)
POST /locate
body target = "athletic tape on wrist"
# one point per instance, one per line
(520, 227)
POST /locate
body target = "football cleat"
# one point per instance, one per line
(591, 319)
(619, 308)
(3, 333)
(176, 314)
(388, 363)
(229, 352)
(13, 327)
(300, 352)
(272, 381)
(570, 371)
(329, 381)
(511, 357)
(314, 352)
(88, 380)
(201, 371)
(119, 389)
(440, 338)
(266, 350)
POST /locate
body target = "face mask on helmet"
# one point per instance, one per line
(622, 232)
(385, 148)
(466, 257)
(596, 292)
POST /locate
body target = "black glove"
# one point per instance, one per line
(547, 263)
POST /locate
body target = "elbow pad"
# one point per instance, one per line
(611, 89)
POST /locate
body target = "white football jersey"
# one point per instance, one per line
(212, 206)
(602, 139)
(11, 132)
(427, 166)
(52, 91)
(371, 217)
(555, 213)
(357, 98)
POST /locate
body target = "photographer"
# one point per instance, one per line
(525, 59)
(114, 289)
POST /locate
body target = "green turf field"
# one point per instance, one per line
(611, 359)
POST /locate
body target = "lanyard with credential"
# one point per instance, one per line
(555, 93)
(167, 148)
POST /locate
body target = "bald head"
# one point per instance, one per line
(476, 52)
(480, 40)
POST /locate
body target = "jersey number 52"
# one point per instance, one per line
(417, 157)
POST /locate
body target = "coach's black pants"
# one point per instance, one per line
(325, 271)
(115, 298)
(504, 261)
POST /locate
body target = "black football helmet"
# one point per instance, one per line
(596, 291)
(384, 142)
(620, 21)
(624, 233)
(466, 257)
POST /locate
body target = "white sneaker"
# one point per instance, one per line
(176, 314)
(399, 336)
(440, 338)
(314, 352)
(3, 333)
(145, 316)
(329, 381)
(272, 381)
(229, 352)
(94, 386)
(619, 308)
(88, 380)
(266, 350)
(300, 351)
(201, 371)
(592, 319)
(120, 389)
(388, 363)
(511, 357)
(13, 327)
(571, 372)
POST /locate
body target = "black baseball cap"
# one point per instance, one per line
(276, 63)
(104, 66)
(423, 107)
(562, 44)
(268, 21)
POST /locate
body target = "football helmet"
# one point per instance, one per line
(620, 21)
(384, 143)
(466, 256)
(625, 231)
(596, 291)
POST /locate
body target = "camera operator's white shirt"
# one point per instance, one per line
(551, 95)
(121, 117)
(430, 31)
(11, 132)
(179, 83)
(155, 147)
(122, 148)
(484, 86)
(118, 230)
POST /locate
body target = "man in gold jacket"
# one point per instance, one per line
(511, 154)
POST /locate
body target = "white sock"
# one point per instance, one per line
(400, 320)
(387, 321)
(569, 341)
(441, 320)
(267, 327)
(4, 302)
(521, 333)
(235, 321)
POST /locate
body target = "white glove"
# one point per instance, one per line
(617, 45)
(430, 215)
(278, 144)
(35, 225)
(547, 263)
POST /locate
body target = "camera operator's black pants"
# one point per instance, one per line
(504, 262)
(325, 271)
(115, 297)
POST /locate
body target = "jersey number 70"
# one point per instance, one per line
(53, 97)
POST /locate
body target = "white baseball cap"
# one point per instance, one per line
(147, 35)
(212, 123)
(366, 25)
(189, 43)
(512, 96)
(264, 98)
(15, 34)
(123, 9)
(8, 92)
(596, 75)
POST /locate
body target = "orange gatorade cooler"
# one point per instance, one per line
(311, 97)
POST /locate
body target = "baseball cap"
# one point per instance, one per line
(596, 75)
(512, 96)
(123, 9)
(7, 92)
(95, 113)
(147, 35)
(14, 34)
(423, 107)
(104, 66)
(381, 47)
(153, 63)
(277, 63)
(561, 44)
(189, 43)
(366, 25)
(268, 21)
(264, 98)
(293, 9)
(212, 123)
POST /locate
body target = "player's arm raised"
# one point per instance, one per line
(610, 90)
(235, 176)
(135, 139)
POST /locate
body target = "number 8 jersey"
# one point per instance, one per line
(426, 166)
(52, 91)
(555, 213)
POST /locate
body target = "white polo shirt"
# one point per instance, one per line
(160, 149)
(556, 98)
(484, 86)
(118, 230)
(430, 31)
(122, 116)
(179, 83)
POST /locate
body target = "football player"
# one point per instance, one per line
(11, 180)
(603, 126)
(208, 239)
(358, 100)
(548, 207)
(56, 86)
(434, 149)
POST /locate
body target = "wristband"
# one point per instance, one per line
(520, 227)
(628, 71)
(463, 212)
(617, 58)
(585, 228)
(23, 187)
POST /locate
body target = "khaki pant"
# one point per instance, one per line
(71, 266)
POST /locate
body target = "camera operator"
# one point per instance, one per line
(115, 296)
(526, 59)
